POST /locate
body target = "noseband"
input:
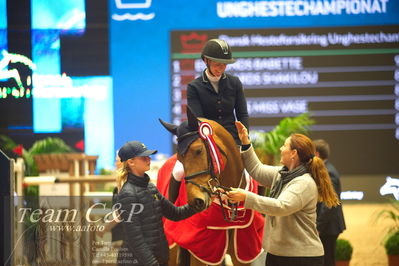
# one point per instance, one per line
(213, 182)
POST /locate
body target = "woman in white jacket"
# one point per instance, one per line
(290, 235)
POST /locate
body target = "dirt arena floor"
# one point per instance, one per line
(365, 234)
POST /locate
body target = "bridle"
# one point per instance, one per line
(213, 183)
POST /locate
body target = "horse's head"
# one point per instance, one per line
(209, 155)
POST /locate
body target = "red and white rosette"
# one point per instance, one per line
(206, 132)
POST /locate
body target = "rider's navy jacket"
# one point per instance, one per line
(142, 209)
(220, 106)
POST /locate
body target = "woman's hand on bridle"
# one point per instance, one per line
(242, 133)
(236, 195)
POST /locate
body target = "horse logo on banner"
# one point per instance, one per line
(390, 187)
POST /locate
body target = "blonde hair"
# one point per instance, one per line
(121, 176)
(306, 153)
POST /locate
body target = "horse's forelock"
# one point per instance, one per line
(185, 136)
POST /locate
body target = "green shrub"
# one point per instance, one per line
(391, 214)
(43, 146)
(269, 143)
(343, 250)
(391, 238)
(392, 244)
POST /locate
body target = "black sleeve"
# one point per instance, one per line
(174, 213)
(241, 106)
(133, 233)
(193, 101)
(245, 147)
(174, 188)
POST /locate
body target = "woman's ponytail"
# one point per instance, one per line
(121, 176)
(325, 188)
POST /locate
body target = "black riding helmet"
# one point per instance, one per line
(217, 50)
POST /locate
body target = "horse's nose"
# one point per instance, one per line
(199, 203)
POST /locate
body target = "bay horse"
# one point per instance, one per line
(211, 160)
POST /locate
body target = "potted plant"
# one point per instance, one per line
(391, 239)
(391, 246)
(343, 252)
(44, 146)
(267, 144)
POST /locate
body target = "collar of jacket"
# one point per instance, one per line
(205, 78)
(141, 181)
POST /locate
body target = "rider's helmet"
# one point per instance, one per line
(217, 50)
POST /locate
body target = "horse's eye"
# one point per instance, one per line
(198, 152)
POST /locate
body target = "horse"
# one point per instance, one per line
(6, 72)
(390, 187)
(211, 160)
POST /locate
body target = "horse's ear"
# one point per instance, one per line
(170, 127)
(192, 119)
